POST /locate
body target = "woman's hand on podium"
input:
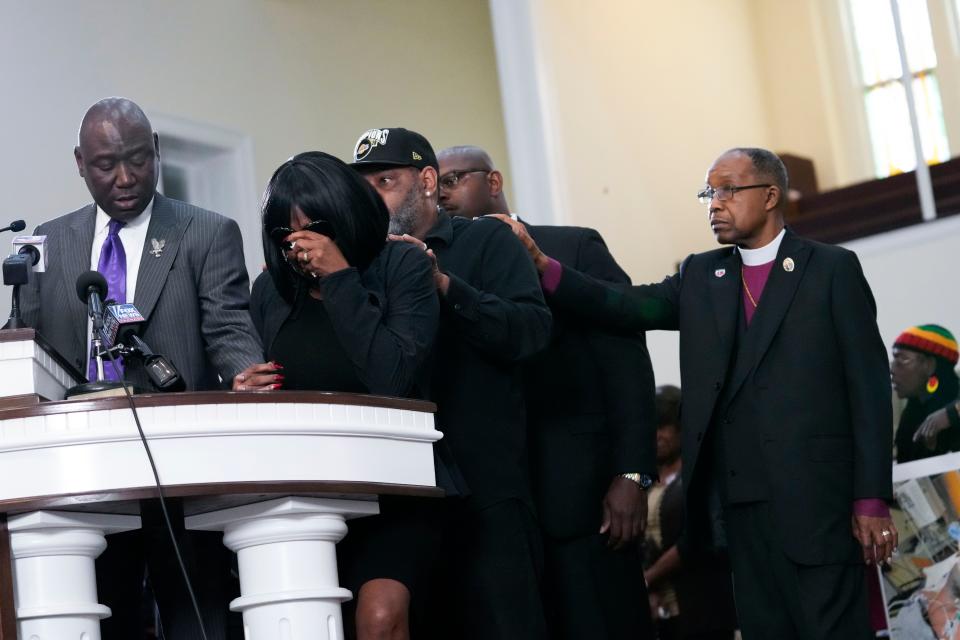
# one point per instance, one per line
(259, 377)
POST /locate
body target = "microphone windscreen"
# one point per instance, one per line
(17, 226)
(91, 279)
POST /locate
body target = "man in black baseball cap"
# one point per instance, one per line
(396, 146)
(492, 316)
(405, 169)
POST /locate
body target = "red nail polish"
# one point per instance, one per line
(278, 377)
(275, 386)
(277, 365)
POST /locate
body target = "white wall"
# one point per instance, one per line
(292, 75)
(911, 272)
(644, 96)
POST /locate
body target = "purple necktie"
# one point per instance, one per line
(113, 266)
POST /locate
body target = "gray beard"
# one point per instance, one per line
(405, 218)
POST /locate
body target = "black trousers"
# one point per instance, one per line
(780, 599)
(131, 555)
(488, 586)
(593, 592)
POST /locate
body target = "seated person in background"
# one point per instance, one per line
(343, 310)
(692, 600)
(664, 521)
(922, 372)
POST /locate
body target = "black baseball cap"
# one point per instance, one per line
(396, 146)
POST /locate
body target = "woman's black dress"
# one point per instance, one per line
(370, 333)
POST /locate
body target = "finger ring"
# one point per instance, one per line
(305, 256)
(884, 533)
(424, 246)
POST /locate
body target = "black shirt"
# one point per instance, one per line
(384, 320)
(493, 316)
(311, 353)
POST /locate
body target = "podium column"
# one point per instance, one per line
(286, 552)
(55, 590)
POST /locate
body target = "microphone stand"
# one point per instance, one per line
(15, 321)
(16, 272)
(99, 385)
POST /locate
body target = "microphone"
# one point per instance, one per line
(16, 226)
(92, 289)
(122, 326)
(29, 254)
(119, 321)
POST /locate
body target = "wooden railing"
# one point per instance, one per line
(873, 207)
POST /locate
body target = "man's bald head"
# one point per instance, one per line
(112, 110)
(470, 185)
(118, 156)
(475, 155)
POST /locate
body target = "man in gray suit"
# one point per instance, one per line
(183, 268)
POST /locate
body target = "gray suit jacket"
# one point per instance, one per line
(194, 295)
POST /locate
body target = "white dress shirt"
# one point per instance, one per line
(133, 235)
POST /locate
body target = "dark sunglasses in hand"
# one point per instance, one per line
(322, 227)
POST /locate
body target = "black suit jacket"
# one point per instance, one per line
(589, 398)
(816, 376)
(491, 319)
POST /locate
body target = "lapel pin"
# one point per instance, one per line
(720, 273)
(159, 244)
(788, 264)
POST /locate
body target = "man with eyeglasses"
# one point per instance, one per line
(786, 413)
(590, 415)
(492, 316)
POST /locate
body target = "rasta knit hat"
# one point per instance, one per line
(931, 339)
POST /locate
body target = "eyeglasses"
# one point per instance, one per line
(724, 193)
(451, 179)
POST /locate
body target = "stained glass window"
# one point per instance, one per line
(885, 97)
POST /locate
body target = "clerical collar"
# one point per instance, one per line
(763, 255)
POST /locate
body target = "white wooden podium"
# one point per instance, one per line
(279, 473)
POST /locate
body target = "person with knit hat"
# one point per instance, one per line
(922, 371)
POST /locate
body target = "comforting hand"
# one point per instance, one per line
(624, 512)
(259, 377)
(539, 257)
(440, 279)
(877, 537)
(315, 254)
(931, 428)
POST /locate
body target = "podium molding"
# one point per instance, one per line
(252, 464)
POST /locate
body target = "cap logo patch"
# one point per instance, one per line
(416, 156)
(370, 139)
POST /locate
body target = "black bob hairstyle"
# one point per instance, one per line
(324, 188)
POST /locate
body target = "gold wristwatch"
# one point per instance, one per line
(642, 479)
